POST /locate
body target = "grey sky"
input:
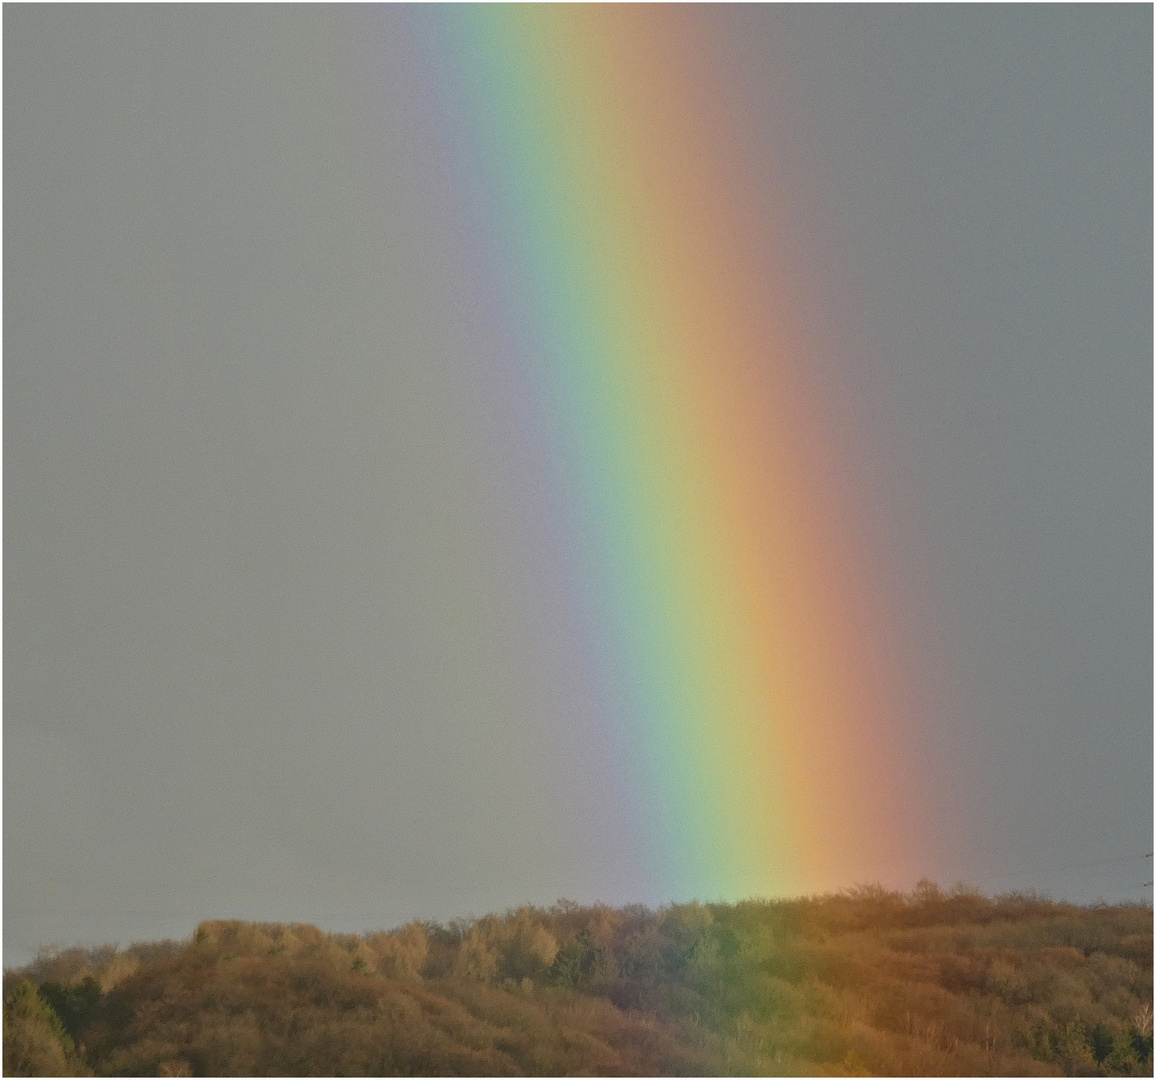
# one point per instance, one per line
(280, 637)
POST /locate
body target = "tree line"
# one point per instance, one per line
(864, 982)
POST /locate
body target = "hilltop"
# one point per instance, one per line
(859, 983)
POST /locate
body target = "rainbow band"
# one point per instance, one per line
(735, 619)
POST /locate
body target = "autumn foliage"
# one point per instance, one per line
(860, 983)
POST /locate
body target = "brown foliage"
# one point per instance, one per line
(865, 982)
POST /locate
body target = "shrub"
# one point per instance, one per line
(35, 1041)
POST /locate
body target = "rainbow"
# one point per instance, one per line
(720, 544)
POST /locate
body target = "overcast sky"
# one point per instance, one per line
(277, 627)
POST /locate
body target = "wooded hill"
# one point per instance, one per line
(860, 983)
